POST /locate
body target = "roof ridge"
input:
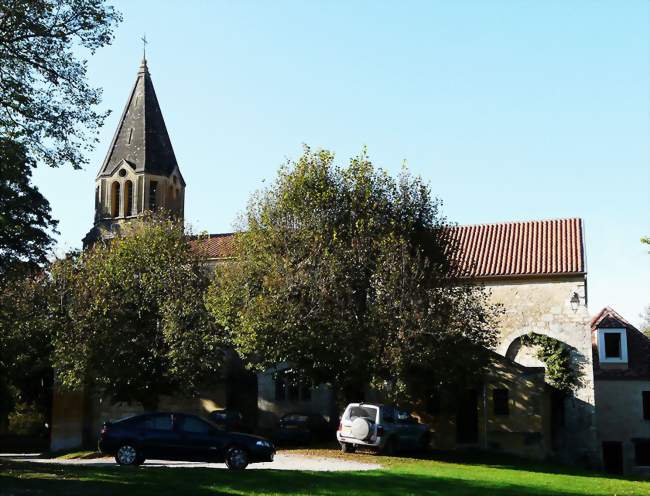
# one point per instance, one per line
(514, 222)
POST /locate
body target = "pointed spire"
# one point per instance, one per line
(141, 138)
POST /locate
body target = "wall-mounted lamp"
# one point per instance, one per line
(575, 302)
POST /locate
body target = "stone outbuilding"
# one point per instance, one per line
(621, 356)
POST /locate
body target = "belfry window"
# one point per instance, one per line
(115, 199)
(128, 199)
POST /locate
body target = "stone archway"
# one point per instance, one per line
(522, 354)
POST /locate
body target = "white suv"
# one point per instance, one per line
(380, 427)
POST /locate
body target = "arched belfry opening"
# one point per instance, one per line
(115, 199)
(128, 199)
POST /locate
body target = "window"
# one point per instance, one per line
(500, 402)
(612, 345)
(130, 135)
(115, 199)
(642, 452)
(286, 388)
(366, 411)
(645, 395)
(194, 425)
(280, 389)
(159, 422)
(153, 190)
(128, 198)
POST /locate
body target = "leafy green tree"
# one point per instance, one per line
(26, 328)
(46, 102)
(343, 273)
(645, 322)
(133, 322)
(26, 223)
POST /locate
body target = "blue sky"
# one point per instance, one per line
(512, 110)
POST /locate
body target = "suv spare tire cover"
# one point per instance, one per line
(361, 428)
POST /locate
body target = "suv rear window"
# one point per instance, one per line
(367, 412)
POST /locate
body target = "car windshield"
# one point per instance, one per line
(366, 411)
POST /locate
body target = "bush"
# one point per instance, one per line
(26, 420)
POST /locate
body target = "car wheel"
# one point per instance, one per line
(236, 458)
(348, 448)
(127, 454)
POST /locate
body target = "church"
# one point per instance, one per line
(536, 269)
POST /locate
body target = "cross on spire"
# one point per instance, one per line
(144, 46)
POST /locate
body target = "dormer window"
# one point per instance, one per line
(612, 345)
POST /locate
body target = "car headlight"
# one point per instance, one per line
(263, 444)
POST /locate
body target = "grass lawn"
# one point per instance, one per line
(440, 475)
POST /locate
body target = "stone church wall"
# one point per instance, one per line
(544, 306)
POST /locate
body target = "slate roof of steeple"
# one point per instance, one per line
(141, 137)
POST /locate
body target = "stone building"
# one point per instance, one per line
(535, 269)
(621, 356)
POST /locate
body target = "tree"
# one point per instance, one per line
(645, 240)
(26, 223)
(133, 318)
(26, 328)
(645, 322)
(343, 273)
(45, 101)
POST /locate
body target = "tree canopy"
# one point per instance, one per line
(46, 102)
(26, 328)
(344, 273)
(26, 223)
(133, 322)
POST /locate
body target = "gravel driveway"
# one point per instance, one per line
(283, 461)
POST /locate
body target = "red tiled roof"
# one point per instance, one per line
(609, 314)
(530, 248)
(511, 249)
(216, 245)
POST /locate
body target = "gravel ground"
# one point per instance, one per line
(283, 461)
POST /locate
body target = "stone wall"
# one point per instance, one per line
(524, 431)
(620, 417)
(543, 306)
(77, 418)
(270, 410)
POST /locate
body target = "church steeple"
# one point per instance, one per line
(141, 137)
(140, 171)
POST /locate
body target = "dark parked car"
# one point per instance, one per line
(303, 428)
(230, 420)
(179, 436)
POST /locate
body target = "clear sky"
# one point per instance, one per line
(512, 110)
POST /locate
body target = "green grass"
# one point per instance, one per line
(442, 475)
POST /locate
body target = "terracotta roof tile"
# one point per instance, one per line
(216, 245)
(511, 249)
(530, 248)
